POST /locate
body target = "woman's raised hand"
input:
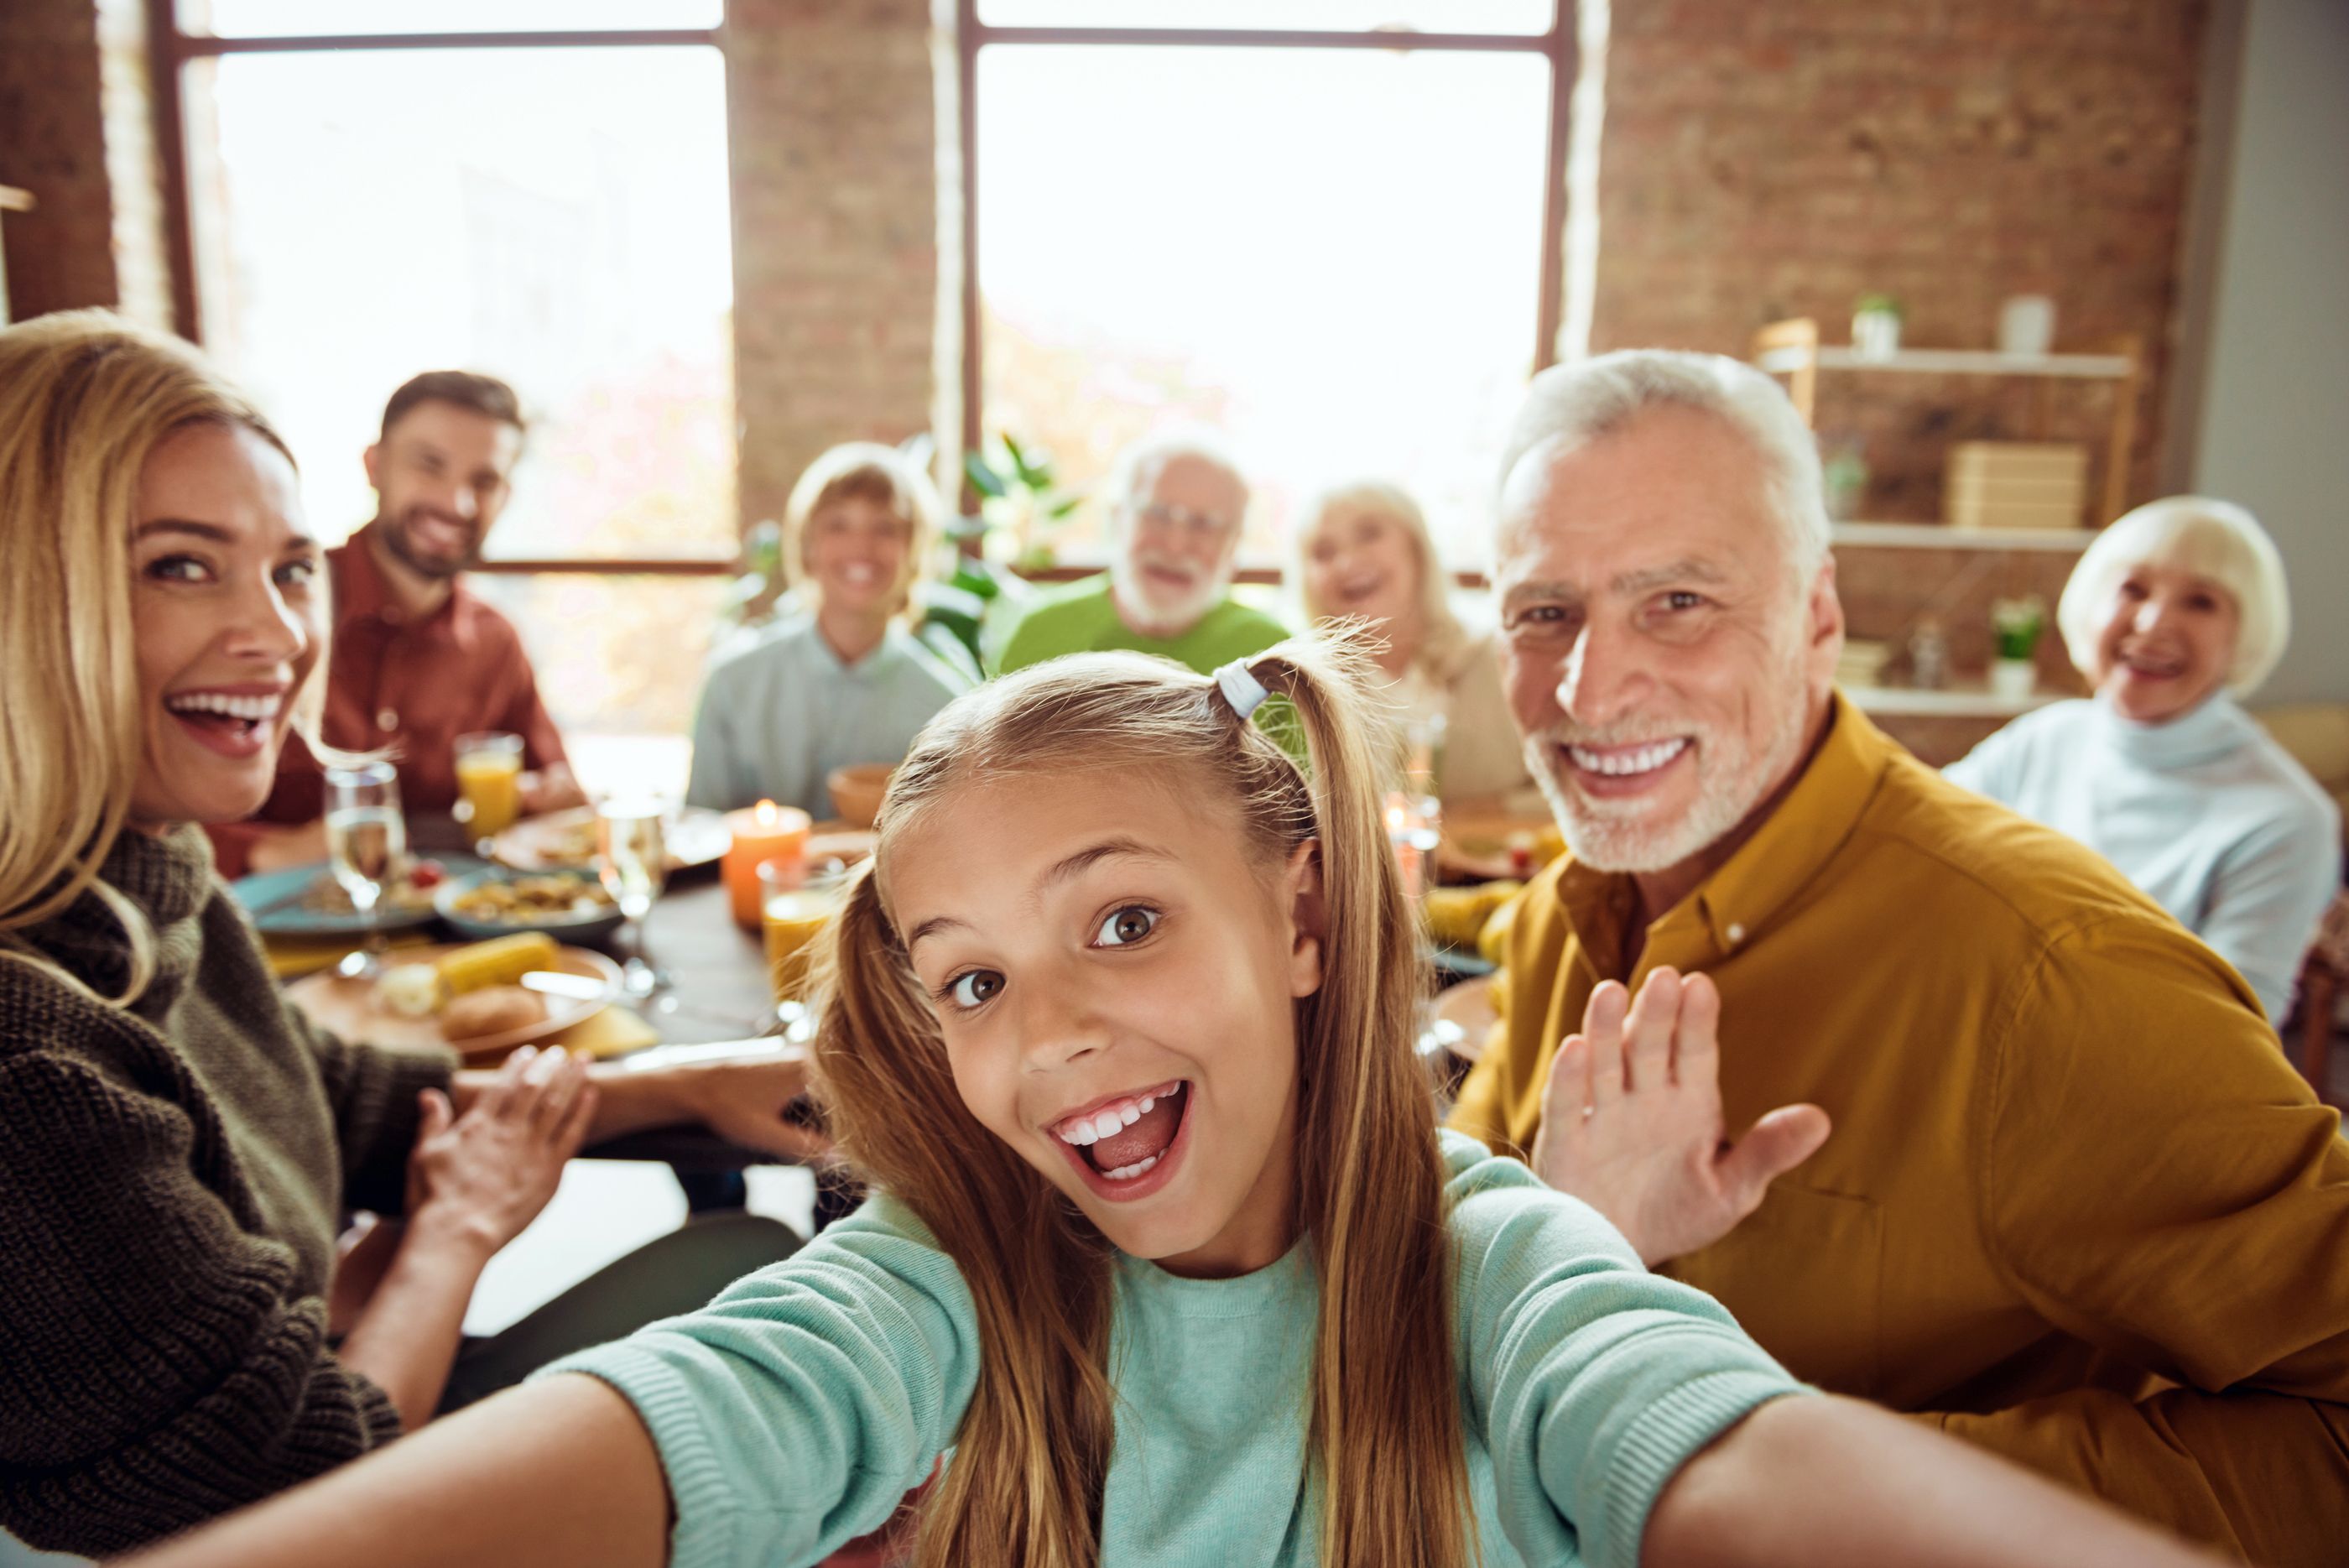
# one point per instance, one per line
(486, 1174)
(1632, 1121)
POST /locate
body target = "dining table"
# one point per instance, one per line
(717, 989)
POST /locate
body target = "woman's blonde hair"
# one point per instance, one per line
(1386, 1447)
(83, 398)
(1443, 639)
(868, 470)
(2211, 538)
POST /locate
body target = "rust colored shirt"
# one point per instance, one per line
(412, 686)
(2077, 1206)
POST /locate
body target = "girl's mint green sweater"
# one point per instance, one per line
(794, 1412)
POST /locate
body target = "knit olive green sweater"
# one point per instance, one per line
(172, 1176)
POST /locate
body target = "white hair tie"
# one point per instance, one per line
(1241, 689)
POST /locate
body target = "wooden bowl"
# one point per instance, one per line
(856, 791)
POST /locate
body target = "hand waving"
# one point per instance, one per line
(1632, 1121)
(486, 1174)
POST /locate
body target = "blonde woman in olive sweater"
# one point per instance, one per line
(177, 1147)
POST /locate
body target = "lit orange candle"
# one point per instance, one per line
(763, 832)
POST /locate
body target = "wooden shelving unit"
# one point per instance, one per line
(12, 200)
(1941, 537)
(1792, 348)
(1961, 701)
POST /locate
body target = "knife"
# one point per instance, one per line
(571, 987)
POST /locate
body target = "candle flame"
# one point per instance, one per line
(768, 816)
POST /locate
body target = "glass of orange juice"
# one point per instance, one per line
(488, 783)
(796, 902)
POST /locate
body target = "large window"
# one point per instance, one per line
(1337, 245)
(374, 188)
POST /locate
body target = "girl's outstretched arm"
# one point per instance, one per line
(556, 1473)
(1804, 1481)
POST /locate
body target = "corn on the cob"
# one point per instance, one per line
(502, 961)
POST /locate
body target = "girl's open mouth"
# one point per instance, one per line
(1140, 1156)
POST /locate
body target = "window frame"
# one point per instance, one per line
(172, 50)
(1559, 45)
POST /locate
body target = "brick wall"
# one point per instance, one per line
(1763, 161)
(833, 124)
(53, 143)
(75, 129)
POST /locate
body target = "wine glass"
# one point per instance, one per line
(366, 841)
(632, 862)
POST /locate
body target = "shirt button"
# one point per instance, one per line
(1737, 933)
(386, 720)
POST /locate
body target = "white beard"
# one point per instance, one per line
(1623, 834)
(1164, 620)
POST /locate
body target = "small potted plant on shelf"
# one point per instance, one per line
(2015, 625)
(1876, 327)
(1844, 480)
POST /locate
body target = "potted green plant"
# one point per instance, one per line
(1020, 507)
(2015, 626)
(1844, 480)
(1876, 327)
(1019, 498)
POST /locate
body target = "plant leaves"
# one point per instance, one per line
(983, 478)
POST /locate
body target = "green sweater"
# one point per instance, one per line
(794, 1412)
(1080, 617)
(172, 1176)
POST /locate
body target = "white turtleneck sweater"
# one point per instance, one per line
(2206, 814)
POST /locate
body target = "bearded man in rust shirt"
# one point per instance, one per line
(417, 659)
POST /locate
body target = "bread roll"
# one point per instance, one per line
(493, 1010)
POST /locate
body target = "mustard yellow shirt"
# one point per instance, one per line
(2076, 1205)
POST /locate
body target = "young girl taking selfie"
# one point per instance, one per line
(1167, 1257)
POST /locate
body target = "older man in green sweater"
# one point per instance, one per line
(1177, 505)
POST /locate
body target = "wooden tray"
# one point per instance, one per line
(347, 1006)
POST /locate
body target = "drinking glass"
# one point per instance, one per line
(489, 784)
(632, 862)
(1414, 813)
(366, 841)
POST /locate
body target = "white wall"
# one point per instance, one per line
(2275, 402)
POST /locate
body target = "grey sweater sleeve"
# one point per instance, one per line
(157, 1365)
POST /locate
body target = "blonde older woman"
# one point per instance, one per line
(843, 678)
(1364, 552)
(2175, 612)
(177, 1145)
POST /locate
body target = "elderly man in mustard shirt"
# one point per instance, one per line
(2074, 1206)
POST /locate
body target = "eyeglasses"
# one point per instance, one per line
(1200, 527)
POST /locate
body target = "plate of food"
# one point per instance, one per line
(561, 839)
(477, 997)
(569, 906)
(307, 900)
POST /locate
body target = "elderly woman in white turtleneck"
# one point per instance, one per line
(2175, 612)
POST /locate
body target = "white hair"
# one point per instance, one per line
(2211, 538)
(1568, 405)
(1140, 463)
(1443, 639)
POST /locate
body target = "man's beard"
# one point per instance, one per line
(1618, 834)
(396, 536)
(1167, 619)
